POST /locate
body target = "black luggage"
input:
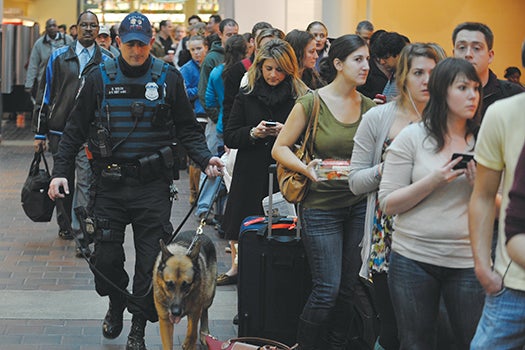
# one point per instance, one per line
(274, 277)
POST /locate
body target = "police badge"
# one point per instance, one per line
(152, 91)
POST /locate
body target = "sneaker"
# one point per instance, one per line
(227, 250)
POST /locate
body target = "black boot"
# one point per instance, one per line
(308, 335)
(112, 325)
(136, 334)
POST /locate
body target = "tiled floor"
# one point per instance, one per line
(47, 297)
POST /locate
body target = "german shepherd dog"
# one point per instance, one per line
(184, 285)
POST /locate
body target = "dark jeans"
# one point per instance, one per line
(416, 289)
(147, 208)
(331, 239)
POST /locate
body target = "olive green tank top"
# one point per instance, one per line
(333, 140)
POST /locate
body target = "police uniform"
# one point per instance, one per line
(130, 117)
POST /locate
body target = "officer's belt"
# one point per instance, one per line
(147, 168)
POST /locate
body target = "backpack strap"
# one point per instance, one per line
(158, 69)
(110, 66)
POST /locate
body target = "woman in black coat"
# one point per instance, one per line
(257, 116)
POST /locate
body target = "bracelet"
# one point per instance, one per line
(252, 134)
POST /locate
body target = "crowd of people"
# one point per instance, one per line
(412, 220)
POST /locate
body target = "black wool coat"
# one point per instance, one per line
(250, 174)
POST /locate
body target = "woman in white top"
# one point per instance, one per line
(378, 129)
(431, 256)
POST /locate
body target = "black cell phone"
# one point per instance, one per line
(463, 163)
(270, 124)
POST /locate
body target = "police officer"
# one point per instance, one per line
(130, 110)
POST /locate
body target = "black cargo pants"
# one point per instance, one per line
(147, 207)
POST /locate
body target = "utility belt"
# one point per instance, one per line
(159, 165)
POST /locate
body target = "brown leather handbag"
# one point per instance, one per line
(294, 186)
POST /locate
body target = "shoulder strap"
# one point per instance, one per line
(156, 70)
(313, 121)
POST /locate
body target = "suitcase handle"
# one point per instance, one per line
(272, 170)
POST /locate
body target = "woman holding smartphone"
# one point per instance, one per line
(257, 116)
(431, 255)
(378, 129)
(332, 217)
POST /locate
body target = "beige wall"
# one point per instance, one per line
(64, 11)
(430, 20)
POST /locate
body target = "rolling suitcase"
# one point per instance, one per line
(274, 277)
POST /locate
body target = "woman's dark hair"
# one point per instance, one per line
(436, 111)
(234, 51)
(340, 49)
(299, 39)
(376, 35)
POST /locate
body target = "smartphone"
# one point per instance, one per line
(463, 163)
(270, 124)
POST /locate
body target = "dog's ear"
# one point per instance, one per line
(193, 254)
(166, 254)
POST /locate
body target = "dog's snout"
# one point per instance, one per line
(176, 310)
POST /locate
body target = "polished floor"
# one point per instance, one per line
(47, 296)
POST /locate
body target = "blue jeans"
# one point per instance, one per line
(416, 289)
(331, 240)
(208, 193)
(502, 324)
